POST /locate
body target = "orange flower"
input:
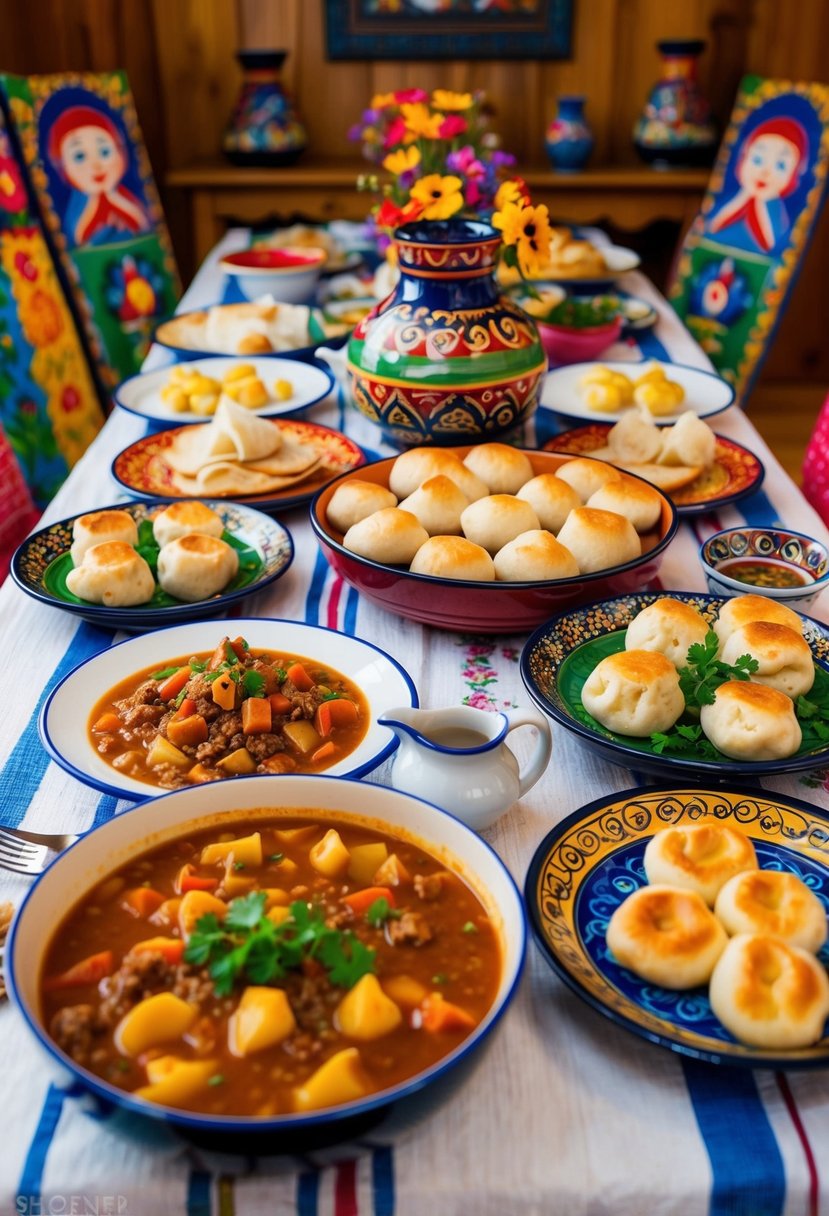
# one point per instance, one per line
(40, 318)
(420, 124)
(445, 99)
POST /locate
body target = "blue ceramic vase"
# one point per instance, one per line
(569, 138)
(264, 128)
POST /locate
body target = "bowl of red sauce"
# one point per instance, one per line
(786, 566)
(289, 275)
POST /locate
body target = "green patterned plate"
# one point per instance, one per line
(558, 658)
(264, 547)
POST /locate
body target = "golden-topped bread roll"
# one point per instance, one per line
(98, 527)
(773, 902)
(599, 539)
(112, 574)
(633, 499)
(666, 935)
(700, 857)
(355, 500)
(669, 626)
(453, 557)
(743, 609)
(504, 469)
(183, 519)
(195, 567)
(389, 535)
(635, 692)
(769, 994)
(784, 656)
(533, 556)
(635, 438)
(551, 498)
(750, 721)
(587, 476)
(690, 441)
(438, 503)
(494, 521)
(412, 468)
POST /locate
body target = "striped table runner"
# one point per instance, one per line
(566, 1113)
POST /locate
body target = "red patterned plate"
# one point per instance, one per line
(735, 472)
(143, 472)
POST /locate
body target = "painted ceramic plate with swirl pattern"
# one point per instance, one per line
(265, 550)
(588, 865)
(142, 471)
(735, 473)
(561, 654)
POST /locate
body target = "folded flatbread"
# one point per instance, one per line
(225, 479)
(233, 433)
(664, 477)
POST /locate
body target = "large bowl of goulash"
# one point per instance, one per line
(289, 960)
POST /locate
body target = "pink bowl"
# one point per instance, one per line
(491, 608)
(566, 344)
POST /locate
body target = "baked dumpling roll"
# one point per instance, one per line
(504, 469)
(749, 721)
(669, 626)
(775, 902)
(599, 539)
(688, 441)
(784, 657)
(355, 500)
(743, 609)
(551, 498)
(183, 519)
(587, 476)
(97, 528)
(667, 936)
(195, 567)
(700, 857)
(637, 502)
(453, 557)
(635, 692)
(390, 535)
(769, 994)
(112, 574)
(534, 556)
(494, 521)
(412, 468)
(438, 504)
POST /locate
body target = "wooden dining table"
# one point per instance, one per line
(567, 1113)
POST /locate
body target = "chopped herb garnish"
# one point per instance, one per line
(281, 674)
(197, 666)
(470, 927)
(704, 672)
(238, 865)
(332, 696)
(123, 1066)
(440, 978)
(378, 912)
(164, 673)
(230, 654)
(276, 857)
(253, 684)
(180, 698)
(216, 1079)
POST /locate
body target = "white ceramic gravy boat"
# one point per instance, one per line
(458, 758)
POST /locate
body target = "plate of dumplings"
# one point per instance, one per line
(605, 390)
(696, 918)
(623, 676)
(138, 566)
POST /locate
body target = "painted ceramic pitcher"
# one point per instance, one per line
(458, 759)
(446, 358)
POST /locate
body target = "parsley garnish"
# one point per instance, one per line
(180, 698)
(378, 912)
(704, 672)
(247, 946)
(253, 684)
(440, 978)
(276, 857)
(164, 673)
(469, 927)
(197, 666)
(216, 1079)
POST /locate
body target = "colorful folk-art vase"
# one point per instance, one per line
(676, 128)
(569, 138)
(446, 359)
(264, 128)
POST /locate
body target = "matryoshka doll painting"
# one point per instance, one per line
(741, 256)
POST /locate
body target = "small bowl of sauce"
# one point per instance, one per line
(787, 566)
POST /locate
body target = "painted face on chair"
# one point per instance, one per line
(92, 160)
(769, 166)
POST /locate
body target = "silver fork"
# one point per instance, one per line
(30, 852)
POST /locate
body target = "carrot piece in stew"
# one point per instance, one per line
(142, 901)
(360, 901)
(440, 1015)
(87, 971)
(107, 722)
(188, 880)
(239, 648)
(173, 685)
(187, 732)
(280, 704)
(256, 716)
(185, 710)
(337, 712)
(324, 753)
(299, 677)
(170, 948)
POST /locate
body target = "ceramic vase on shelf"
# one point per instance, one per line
(446, 358)
(675, 129)
(569, 138)
(264, 128)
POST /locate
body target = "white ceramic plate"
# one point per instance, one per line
(705, 392)
(65, 716)
(618, 260)
(311, 382)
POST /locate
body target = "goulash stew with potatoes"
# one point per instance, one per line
(281, 967)
(228, 713)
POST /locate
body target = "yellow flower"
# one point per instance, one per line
(445, 99)
(420, 124)
(402, 161)
(509, 191)
(380, 100)
(440, 196)
(528, 229)
(40, 319)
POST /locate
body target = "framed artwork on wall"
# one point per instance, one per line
(449, 29)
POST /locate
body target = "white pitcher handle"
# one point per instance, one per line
(543, 748)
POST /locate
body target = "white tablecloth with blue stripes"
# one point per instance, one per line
(567, 1113)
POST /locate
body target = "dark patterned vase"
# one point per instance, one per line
(446, 358)
(264, 128)
(675, 128)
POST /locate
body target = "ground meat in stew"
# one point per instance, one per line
(412, 929)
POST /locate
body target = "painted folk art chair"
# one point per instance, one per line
(739, 260)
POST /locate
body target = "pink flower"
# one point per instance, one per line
(24, 264)
(395, 134)
(478, 650)
(70, 399)
(479, 700)
(410, 96)
(452, 126)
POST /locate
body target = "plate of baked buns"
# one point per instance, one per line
(696, 918)
(604, 391)
(687, 684)
(137, 566)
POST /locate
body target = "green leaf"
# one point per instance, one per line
(164, 673)
(378, 912)
(247, 911)
(253, 684)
